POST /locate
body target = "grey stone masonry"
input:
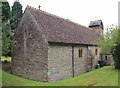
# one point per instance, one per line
(30, 51)
(60, 61)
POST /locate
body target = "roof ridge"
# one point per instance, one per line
(31, 7)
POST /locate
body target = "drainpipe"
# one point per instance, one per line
(87, 58)
(73, 60)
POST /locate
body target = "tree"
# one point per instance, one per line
(111, 44)
(6, 39)
(16, 15)
(6, 29)
(109, 40)
(5, 10)
(116, 50)
(117, 56)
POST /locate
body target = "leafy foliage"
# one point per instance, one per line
(111, 44)
(117, 56)
(8, 59)
(10, 20)
(5, 11)
(6, 29)
(17, 9)
(116, 51)
(16, 15)
(6, 39)
(110, 39)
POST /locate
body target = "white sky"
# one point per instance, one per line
(80, 11)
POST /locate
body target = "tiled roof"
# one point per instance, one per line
(60, 30)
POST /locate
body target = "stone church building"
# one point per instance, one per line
(50, 48)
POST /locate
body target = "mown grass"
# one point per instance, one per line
(106, 76)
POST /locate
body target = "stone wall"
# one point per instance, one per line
(80, 62)
(96, 57)
(108, 58)
(60, 61)
(29, 56)
(99, 31)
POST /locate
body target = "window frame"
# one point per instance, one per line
(80, 52)
(96, 51)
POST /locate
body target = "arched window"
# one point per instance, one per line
(96, 51)
(80, 52)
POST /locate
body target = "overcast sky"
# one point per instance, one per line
(80, 11)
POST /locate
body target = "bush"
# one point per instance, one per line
(6, 59)
(116, 56)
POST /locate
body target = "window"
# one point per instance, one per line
(96, 51)
(80, 53)
(106, 57)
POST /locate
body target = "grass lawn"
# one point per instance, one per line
(106, 76)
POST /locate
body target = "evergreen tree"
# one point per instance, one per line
(5, 11)
(6, 29)
(16, 15)
(6, 39)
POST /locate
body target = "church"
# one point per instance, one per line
(49, 48)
